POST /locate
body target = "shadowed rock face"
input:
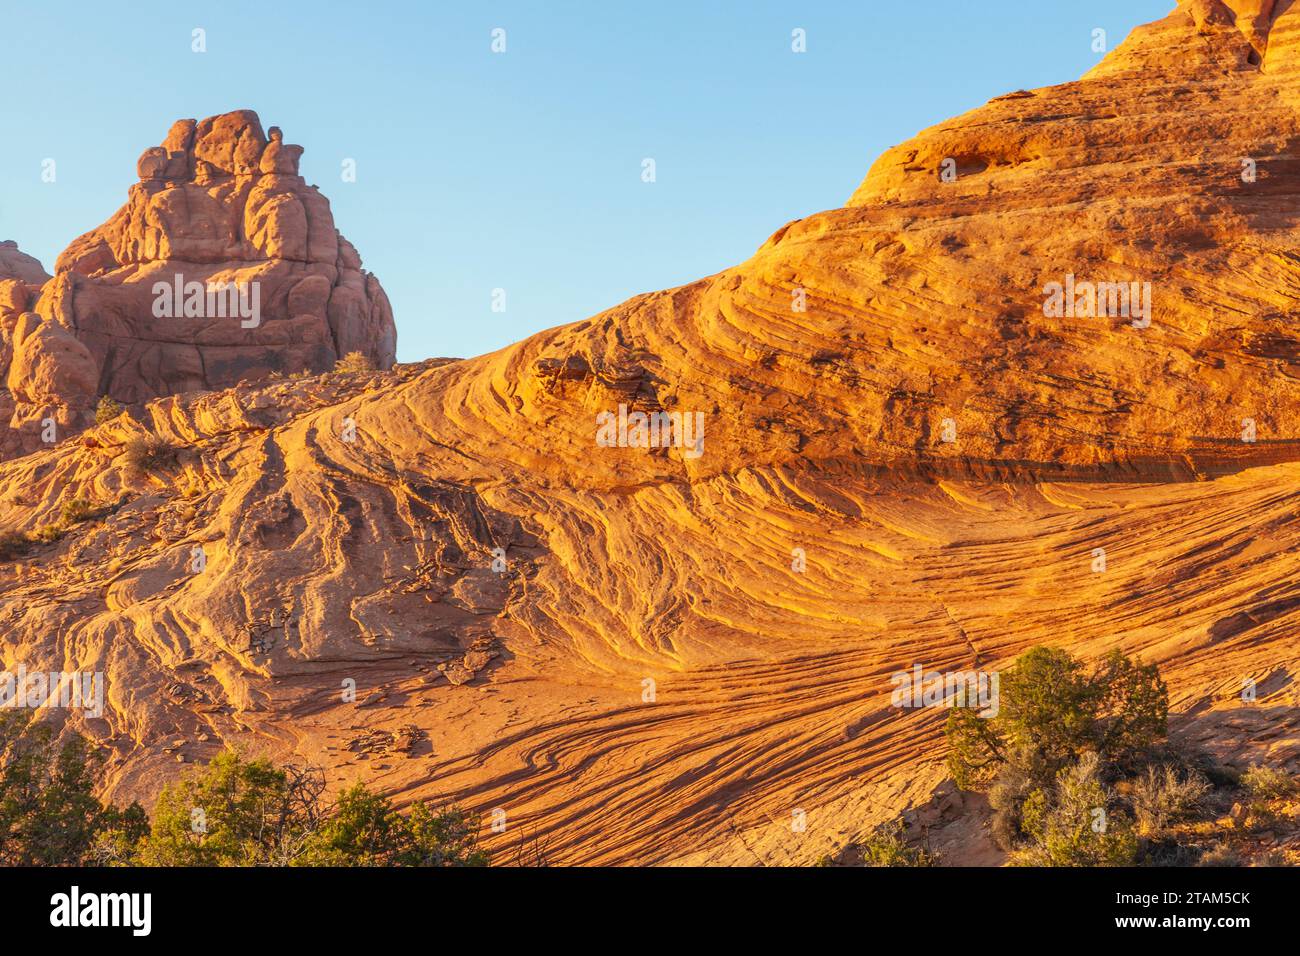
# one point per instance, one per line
(831, 530)
(54, 376)
(219, 208)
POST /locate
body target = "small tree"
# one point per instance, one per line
(1051, 711)
(363, 830)
(1132, 708)
(106, 410)
(49, 814)
(234, 812)
(120, 836)
(446, 836)
(239, 812)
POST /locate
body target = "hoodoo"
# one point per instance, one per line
(218, 205)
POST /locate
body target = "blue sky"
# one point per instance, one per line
(522, 170)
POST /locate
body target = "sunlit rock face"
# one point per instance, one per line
(223, 266)
(17, 265)
(932, 428)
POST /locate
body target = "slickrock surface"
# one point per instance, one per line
(527, 686)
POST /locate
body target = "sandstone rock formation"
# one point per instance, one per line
(220, 207)
(15, 264)
(21, 279)
(659, 654)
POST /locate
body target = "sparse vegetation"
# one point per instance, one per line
(887, 846)
(1078, 772)
(1161, 796)
(354, 362)
(107, 410)
(241, 812)
(148, 453)
(15, 544)
(1220, 855)
(1267, 783)
(1075, 822)
(49, 815)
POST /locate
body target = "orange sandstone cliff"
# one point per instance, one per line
(907, 446)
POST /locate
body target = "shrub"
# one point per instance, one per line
(76, 511)
(1070, 823)
(13, 544)
(1220, 855)
(107, 410)
(885, 846)
(1267, 783)
(146, 453)
(1015, 781)
(354, 362)
(1162, 796)
(48, 534)
(1166, 850)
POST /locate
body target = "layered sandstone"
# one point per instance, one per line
(661, 654)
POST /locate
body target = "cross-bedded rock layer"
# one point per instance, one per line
(653, 655)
